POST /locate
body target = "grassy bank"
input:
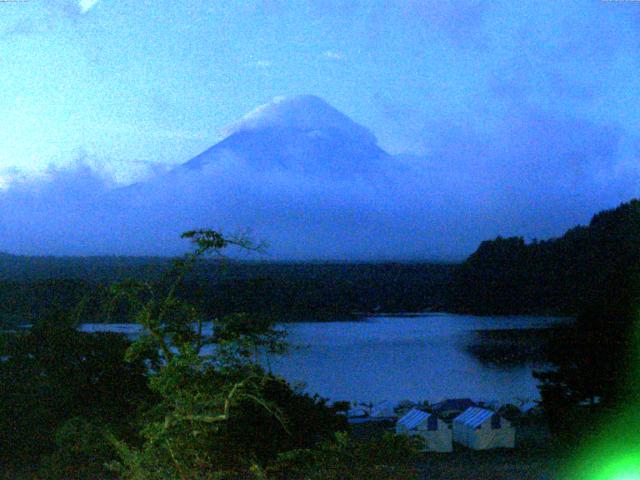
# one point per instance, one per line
(536, 456)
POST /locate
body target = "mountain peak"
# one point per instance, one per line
(300, 112)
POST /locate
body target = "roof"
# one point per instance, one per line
(384, 409)
(527, 407)
(414, 418)
(357, 412)
(474, 416)
(454, 404)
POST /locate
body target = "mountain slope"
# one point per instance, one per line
(302, 134)
(312, 183)
(296, 171)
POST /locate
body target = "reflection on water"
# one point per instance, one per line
(426, 357)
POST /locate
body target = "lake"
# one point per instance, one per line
(418, 357)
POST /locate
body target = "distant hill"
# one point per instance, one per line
(32, 286)
(559, 276)
(503, 276)
(97, 269)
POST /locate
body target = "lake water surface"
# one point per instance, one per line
(393, 358)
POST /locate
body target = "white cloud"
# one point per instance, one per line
(333, 55)
(86, 5)
(46, 19)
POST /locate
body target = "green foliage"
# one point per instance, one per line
(82, 452)
(184, 435)
(181, 402)
(390, 457)
(241, 337)
(53, 374)
(219, 415)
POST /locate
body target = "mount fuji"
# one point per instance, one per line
(296, 173)
(302, 134)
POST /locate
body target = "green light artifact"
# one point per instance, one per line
(614, 453)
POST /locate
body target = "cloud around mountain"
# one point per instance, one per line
(315, 185)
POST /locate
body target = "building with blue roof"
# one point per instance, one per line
(435, 433)
(481, 429)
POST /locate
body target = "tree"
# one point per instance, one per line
(389, 457)
(189, 402)
(54, 373)
(594, 361)
(82, 451)
(562, 275)
(219, 415)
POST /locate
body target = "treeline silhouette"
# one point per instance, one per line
(560, 276)
(557, 276)
(31, 286)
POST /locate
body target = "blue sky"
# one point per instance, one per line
(136, 82)
(516, 106)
